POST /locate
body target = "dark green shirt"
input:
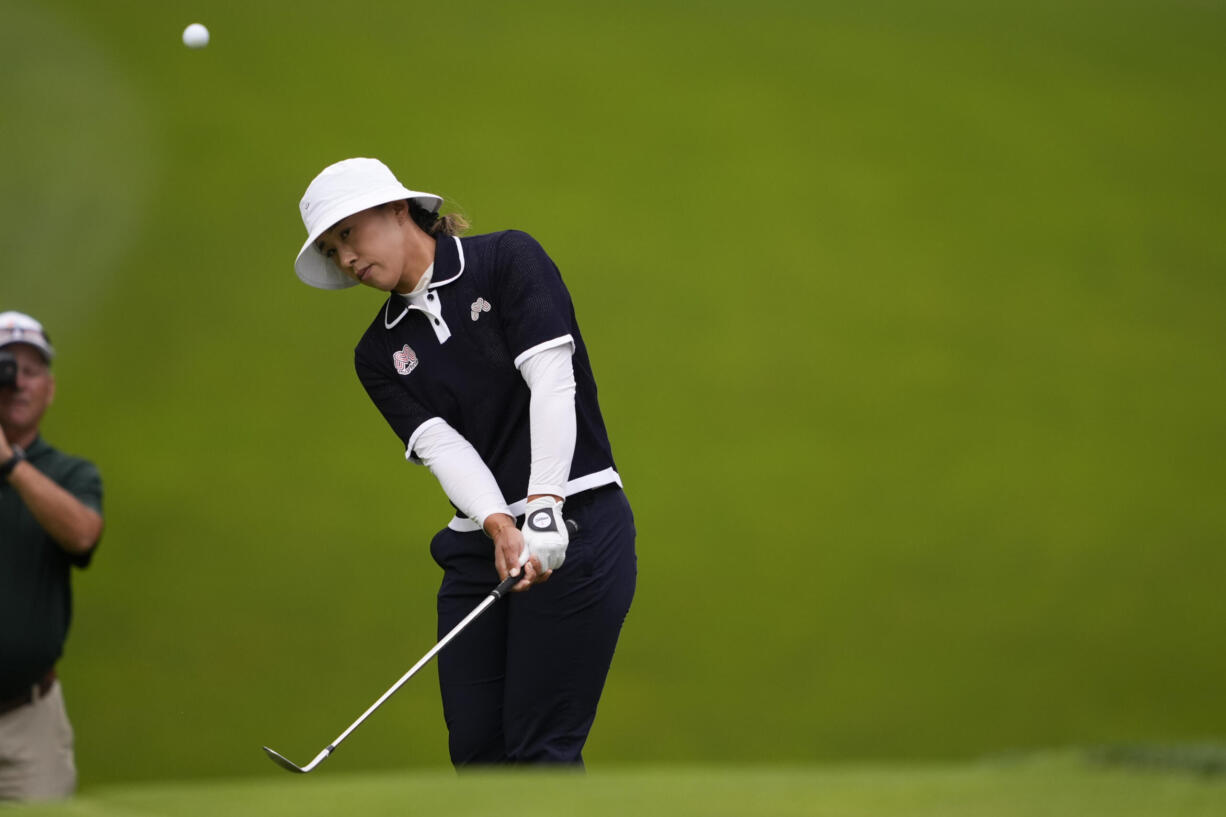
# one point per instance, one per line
(35, 592)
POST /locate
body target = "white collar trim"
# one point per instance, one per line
(388, 321)
(459, 248)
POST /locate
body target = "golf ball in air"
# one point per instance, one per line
(195, 36)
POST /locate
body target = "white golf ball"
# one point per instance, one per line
(195, 36)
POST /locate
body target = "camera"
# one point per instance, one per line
(8, 371)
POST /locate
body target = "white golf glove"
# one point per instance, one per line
(545, 535)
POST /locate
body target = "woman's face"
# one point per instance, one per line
(369, 247)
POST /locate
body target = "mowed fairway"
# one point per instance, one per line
(1057, 785)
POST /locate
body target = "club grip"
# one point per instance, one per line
(505, 586)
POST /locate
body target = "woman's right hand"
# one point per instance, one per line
(508, 548)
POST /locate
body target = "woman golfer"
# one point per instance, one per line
(476, 361)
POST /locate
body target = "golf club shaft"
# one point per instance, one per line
(494, 595)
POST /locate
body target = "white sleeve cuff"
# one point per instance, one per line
(551, 417)
(565, 340)
(464, 477)
(408, 449)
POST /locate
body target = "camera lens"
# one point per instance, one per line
(8, 371)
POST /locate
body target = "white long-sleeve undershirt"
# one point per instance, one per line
(459, 469)
(551, 415)
(467, 480)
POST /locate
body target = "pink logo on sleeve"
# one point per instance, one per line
(405, 360)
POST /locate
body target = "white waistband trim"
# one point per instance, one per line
(584, 483)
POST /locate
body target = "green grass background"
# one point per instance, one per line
(907, 319)
(1049, 785)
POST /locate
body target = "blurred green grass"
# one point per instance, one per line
(906, 319)
(1050, 785)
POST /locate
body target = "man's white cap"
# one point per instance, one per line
(338, 192)
(17, 327)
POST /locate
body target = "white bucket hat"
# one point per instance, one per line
(17, 327)
(339, 191)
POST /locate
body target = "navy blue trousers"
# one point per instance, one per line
(521, 683)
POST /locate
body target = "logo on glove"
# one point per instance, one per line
(542, 521)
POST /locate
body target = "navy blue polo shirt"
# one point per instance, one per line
(499, 298)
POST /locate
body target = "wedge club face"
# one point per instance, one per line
(290, 766)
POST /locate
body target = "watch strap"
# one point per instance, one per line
(8, 465)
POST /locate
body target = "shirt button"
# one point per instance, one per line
(430, 297)
(436, 321)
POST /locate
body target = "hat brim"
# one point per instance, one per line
(313, 268)
(43, 348)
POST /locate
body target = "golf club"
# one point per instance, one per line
(498, 592)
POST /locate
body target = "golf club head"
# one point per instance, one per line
(290, 766)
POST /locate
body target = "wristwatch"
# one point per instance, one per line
(8, 465)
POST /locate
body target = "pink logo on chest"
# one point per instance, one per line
(405, 360)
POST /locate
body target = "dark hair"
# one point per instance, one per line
(433, 223)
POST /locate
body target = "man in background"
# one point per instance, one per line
(50, 520)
